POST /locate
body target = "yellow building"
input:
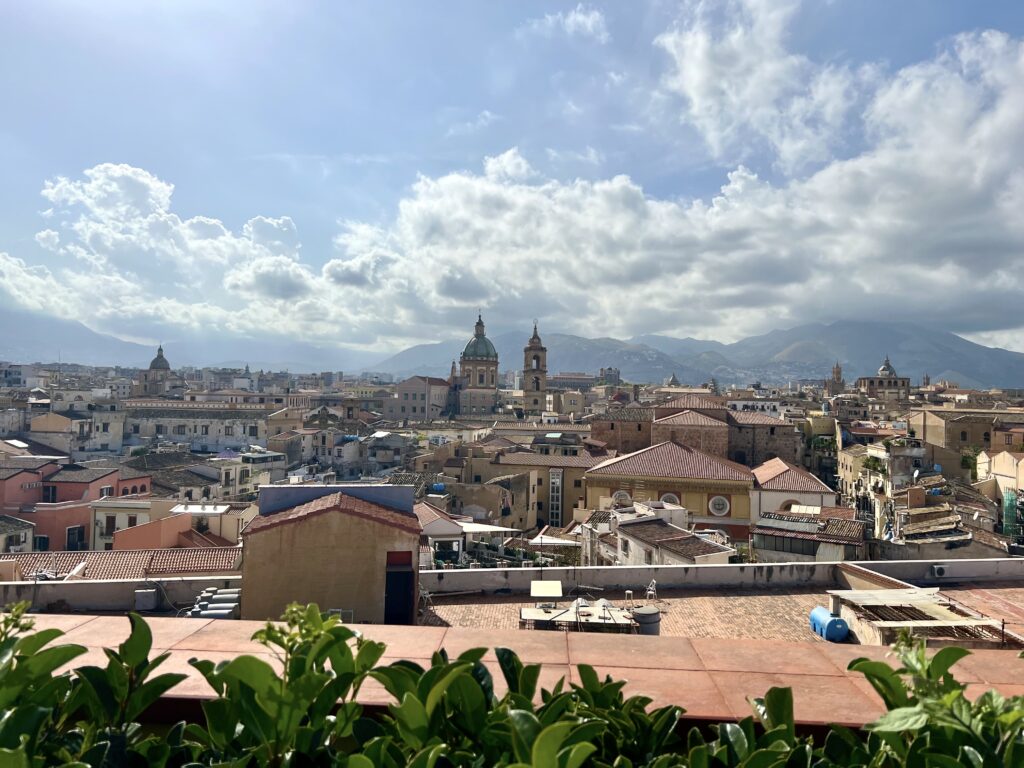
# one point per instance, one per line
(338, 552)
(716, 491)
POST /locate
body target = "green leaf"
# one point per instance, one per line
(252, 672)
(765, 758)
(14, 758)
(146, 694)
(437, 691)
(943, 660)
(102, 693)
(900, 720)
(732, 736)
(473, 654)
(30, 644)
(135, 650)
(576, 756)
(589, 678)
(412, 721)
(45, 662)
(525, 728)
(548, 743)
(511, 667)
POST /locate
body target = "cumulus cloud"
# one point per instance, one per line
(581, 21)
(744, 91)
(922, 223)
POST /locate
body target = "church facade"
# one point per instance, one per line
(474, 389)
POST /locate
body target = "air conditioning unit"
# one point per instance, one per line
(939, 571)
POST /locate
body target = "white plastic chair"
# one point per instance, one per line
(652, 590)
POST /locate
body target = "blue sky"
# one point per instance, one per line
(368, 174)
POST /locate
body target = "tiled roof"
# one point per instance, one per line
(193, 538)
(523, 459)
(659, 533)
(10, 524)
(755, 418)
(776, 475)
(627, 414)
(432, 380)
(599, 517)
(694, 401)
(691, 419)
(76, 474)
(162, 460)
(672, 460)
(832, 530)
(25, 462)
(132, 563)
(857, 449)
(337, 502)
(7, 472)
(176, 479)
(428, 513)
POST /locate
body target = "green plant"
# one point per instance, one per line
(304, 711)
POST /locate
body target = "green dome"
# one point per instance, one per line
(480, 347)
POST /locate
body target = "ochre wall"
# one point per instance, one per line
(333, 559)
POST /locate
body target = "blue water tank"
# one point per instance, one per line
(824, 624)
(437, 488)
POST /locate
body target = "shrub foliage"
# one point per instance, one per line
(303, 711)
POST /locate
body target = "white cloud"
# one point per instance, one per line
(48, 239)
(743, 91)
(921, 224)
(581, 21)
(589, 156)
(509, 165)
(478, 123)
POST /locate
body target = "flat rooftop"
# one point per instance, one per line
(763, 614)
(710, 676)
(1003, 600)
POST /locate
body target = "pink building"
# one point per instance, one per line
(21, 482)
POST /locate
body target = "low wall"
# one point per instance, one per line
(919, 572)
(636, 578)
(108, 595)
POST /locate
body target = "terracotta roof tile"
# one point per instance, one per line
(691, 419)
(337, 502)
(777, 475)
(659, 533)
(672, 460)
(428, 513)
(132, 563)
(522, 459)
(693, 401)
(755, 418)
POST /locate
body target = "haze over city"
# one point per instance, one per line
(363, 177)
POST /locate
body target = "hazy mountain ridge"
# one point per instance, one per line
(775, 357)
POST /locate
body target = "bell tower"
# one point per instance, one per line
(535, 375)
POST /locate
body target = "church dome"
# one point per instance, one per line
(480, 347)
(160, 362)
(886, 368)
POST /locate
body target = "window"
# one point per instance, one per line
(110, 525)
(229, 431)
(135, 429)
(403, 409)
(612, 427)
(577, 483)
(132, 520)
(625, 546)
(204, 429)
(254, 431)
(639, 427)
(405, 395)
(670, 498)
(106, 490)
(480, 378)
(159, 429)
(1008, 439)
(648, 556)
(41, 543)
(540, 481)
(75, 538)
(719, 506)
(106, 426)
(142, 488)
(476, 478)
(125, 491)
(179, 429)
(986, 437)
(963, 437)
(771, 430)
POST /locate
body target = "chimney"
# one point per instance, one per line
(636, 393)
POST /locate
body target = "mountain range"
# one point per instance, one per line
(777, 357)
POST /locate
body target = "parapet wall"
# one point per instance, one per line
(108, 595)
(923, 573)
(740, 577)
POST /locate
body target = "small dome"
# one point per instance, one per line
(160, 362)
(886, 368)
(480, 347)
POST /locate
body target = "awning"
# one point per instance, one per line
(484, 528)
(552, 541)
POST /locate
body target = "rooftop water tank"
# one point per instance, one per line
(832, 628)
(648, 619)
(437, 488)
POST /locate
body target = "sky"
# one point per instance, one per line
(369, 175)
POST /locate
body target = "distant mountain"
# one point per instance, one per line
(777, 357)
(637, 362)
(30, 337)
(678, 348)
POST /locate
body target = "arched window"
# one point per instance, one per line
(206, 492)
(125, 491)
(135, 489)
(480, 377)
(621, 499)
(536, 383)
(536, 362)
(789, 505)
(142, 488)
(670, 498)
